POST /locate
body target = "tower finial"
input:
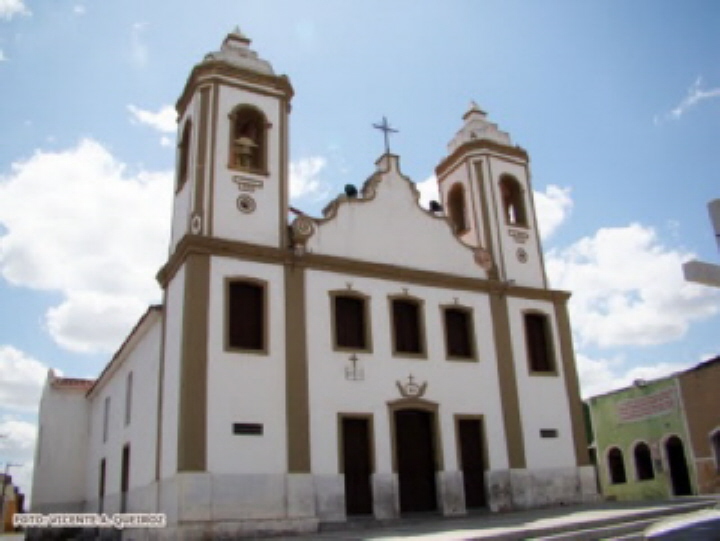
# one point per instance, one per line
(474, 109)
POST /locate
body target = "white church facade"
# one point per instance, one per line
(306, 370)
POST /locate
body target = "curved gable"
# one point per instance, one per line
(389, 226)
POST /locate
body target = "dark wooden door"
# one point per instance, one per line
(124, 478)
(357, 466)
(472, 462)
(679, 474)
(415, 460)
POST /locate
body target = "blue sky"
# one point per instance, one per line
(617, 103)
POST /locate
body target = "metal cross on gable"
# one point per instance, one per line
(385, 127)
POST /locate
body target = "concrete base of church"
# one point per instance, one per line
(525, 489)
(210, 506)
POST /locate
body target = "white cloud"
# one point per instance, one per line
(628, 288)
(138, 49)
(18, 449)
(428, 189)
(3, 58)
(79, 9)
(695, 95)
(164, 120)
(76, 222)
(21, 380)
(111, 316)
(10, 8)
(553, 206)
(599, 376)
(304, 181)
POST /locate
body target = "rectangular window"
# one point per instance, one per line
(458, 333)
(106, 419)
(548, 433)
(246, 316)
(407, 331)
(128, 398)
(539, 343)
(350, 326)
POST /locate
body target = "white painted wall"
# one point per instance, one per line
(263, 225)
(532, 272)
(174, 301)
(141, 357)
(59, 474)
(459, 387)
(246, 387)
(543, 398)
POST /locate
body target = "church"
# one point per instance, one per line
(305, 370)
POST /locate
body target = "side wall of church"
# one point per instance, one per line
(59, 470)
(131, 422)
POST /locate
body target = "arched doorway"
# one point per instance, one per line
(415, 459)
(679, 474)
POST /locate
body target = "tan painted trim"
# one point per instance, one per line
(296, 372)
(161, 392)
(202, 153)
(220, 72)
(213, 157)
(500, 264)
(538, 244)
(422, 334)
(192, 244)
(265, 350)
(476, 214)
(550, 336)
(475, 145)
(486, 453)
(366, 314)
(488, 242)
(371, 437)
(480, 155)
(192, 420)
(572, 387)
(283, 174)
(471, 323)
(508, 381)
(416, 404)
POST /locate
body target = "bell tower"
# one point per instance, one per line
(232, 159)
(485, 187)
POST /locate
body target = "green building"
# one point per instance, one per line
(641, 442)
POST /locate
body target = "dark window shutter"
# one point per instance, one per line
(350, 322)
(538, 342)
(457, 333)
(246, 316)
(406, 322)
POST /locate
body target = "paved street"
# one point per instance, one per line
(537, 523)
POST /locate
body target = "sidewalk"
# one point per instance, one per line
(514, 525)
